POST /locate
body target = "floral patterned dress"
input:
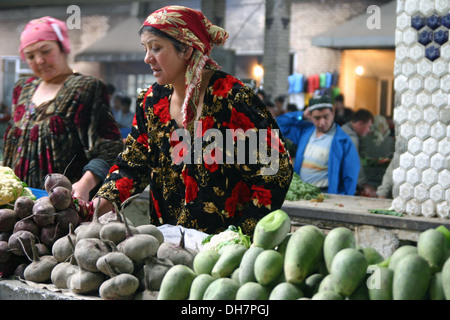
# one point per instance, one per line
(76, 125)
(206, 193)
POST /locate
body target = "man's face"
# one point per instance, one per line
(363, 128)
(323, 119)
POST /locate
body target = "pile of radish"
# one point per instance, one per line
(44, 241)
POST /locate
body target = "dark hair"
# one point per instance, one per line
(280, 99)
(362, 115)
(291, 107)
(339, 98)
(179, 46)
(126, 101)
(110, 88)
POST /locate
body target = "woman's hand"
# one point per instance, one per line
(82, 187)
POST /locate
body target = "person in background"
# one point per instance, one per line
(176, 115)
(5, 115)
(117, 105)
(291, 107)
(61, 120)
(342, 114)
(359, 126)
(326, 156)
(111, 89)
(125, 117)
(278, 107)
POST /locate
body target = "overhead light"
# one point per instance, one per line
(258, 71)
(359, 70)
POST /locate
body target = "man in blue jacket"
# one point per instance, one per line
(326, 156)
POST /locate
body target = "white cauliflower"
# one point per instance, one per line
(230, 236)
(11, 187)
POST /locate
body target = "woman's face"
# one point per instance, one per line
(168, 64)
(46, 59)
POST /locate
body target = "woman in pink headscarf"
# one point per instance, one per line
(61, 120)
(193, 184)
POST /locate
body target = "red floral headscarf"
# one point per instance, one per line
(192, 28)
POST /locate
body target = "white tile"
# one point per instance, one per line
(431, 83)
(443, 209)
(421, 192)
(411, 6)
(413, 176)
(414, 145)
(437, 162)
(444, 179)
(406, 191)
(406, 161)
(430, 146)
(413, 207)
(422, 131)
(422, 161)
(438, 130)
(428, 209)
(437, 193)
(426, 7)
(431, 114)
(429, 177)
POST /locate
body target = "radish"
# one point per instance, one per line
(64, 247)
(114, 261)
(40, 269)
(85, 282)
(62, 272)
(88, 251)
(156, 269)
(119, 286)
(177, 253)
(92, 229)
(138, 247)
(151, 230)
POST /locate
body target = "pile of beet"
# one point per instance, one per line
(45, 241)
(34, 225)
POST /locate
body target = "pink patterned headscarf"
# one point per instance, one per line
(45, 28)
(192, 28)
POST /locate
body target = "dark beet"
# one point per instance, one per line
(60, 197)
(53, 180)
(43, 212)
(16, 247)
(23, 207)
(7, 219)
(66, 217)
(28, 225)
(5, 254)
(49, 234)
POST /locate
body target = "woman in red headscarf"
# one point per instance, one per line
(170, 146)
(61, 120)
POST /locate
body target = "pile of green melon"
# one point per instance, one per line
(309, 264)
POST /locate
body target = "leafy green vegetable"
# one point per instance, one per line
(299, 189)
(386, 211)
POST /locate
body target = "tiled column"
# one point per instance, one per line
(276, 57)
(422, 82)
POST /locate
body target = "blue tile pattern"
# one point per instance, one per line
(433, 32)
